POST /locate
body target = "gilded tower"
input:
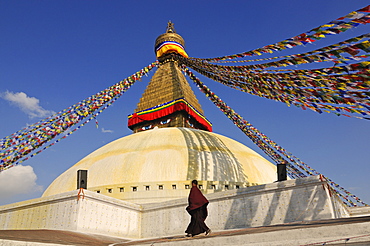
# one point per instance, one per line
(168, 100)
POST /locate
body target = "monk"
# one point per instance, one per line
(198, 211)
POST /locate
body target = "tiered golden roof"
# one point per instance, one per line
(167, 84)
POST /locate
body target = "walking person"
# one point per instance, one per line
(198, 211)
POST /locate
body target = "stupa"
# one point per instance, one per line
(172, 144)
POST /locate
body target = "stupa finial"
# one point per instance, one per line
(170, 27)
(169, 42)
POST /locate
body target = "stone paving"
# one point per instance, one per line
(55, 237)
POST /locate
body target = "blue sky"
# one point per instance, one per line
(57, 53)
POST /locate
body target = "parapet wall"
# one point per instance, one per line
(92, 213)
(303, 199)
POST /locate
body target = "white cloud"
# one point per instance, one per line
(106, 131)
(18, 180)
(29, 105)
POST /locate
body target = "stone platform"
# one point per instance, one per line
(277, 204)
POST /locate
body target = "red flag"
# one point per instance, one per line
(351, 51)
(366, 9)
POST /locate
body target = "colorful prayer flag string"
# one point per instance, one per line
(342, 90)
(342, 24)
(26, 143)
(331, 52)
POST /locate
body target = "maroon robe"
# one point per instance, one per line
(198, 211)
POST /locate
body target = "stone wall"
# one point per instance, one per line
(277, 203)
(281, 202)
(94, 213)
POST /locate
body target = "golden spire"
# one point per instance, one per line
(170, 27)
(168, 100)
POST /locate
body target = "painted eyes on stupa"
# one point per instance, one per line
(190, 124)
(163, 122)
(146, 127)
